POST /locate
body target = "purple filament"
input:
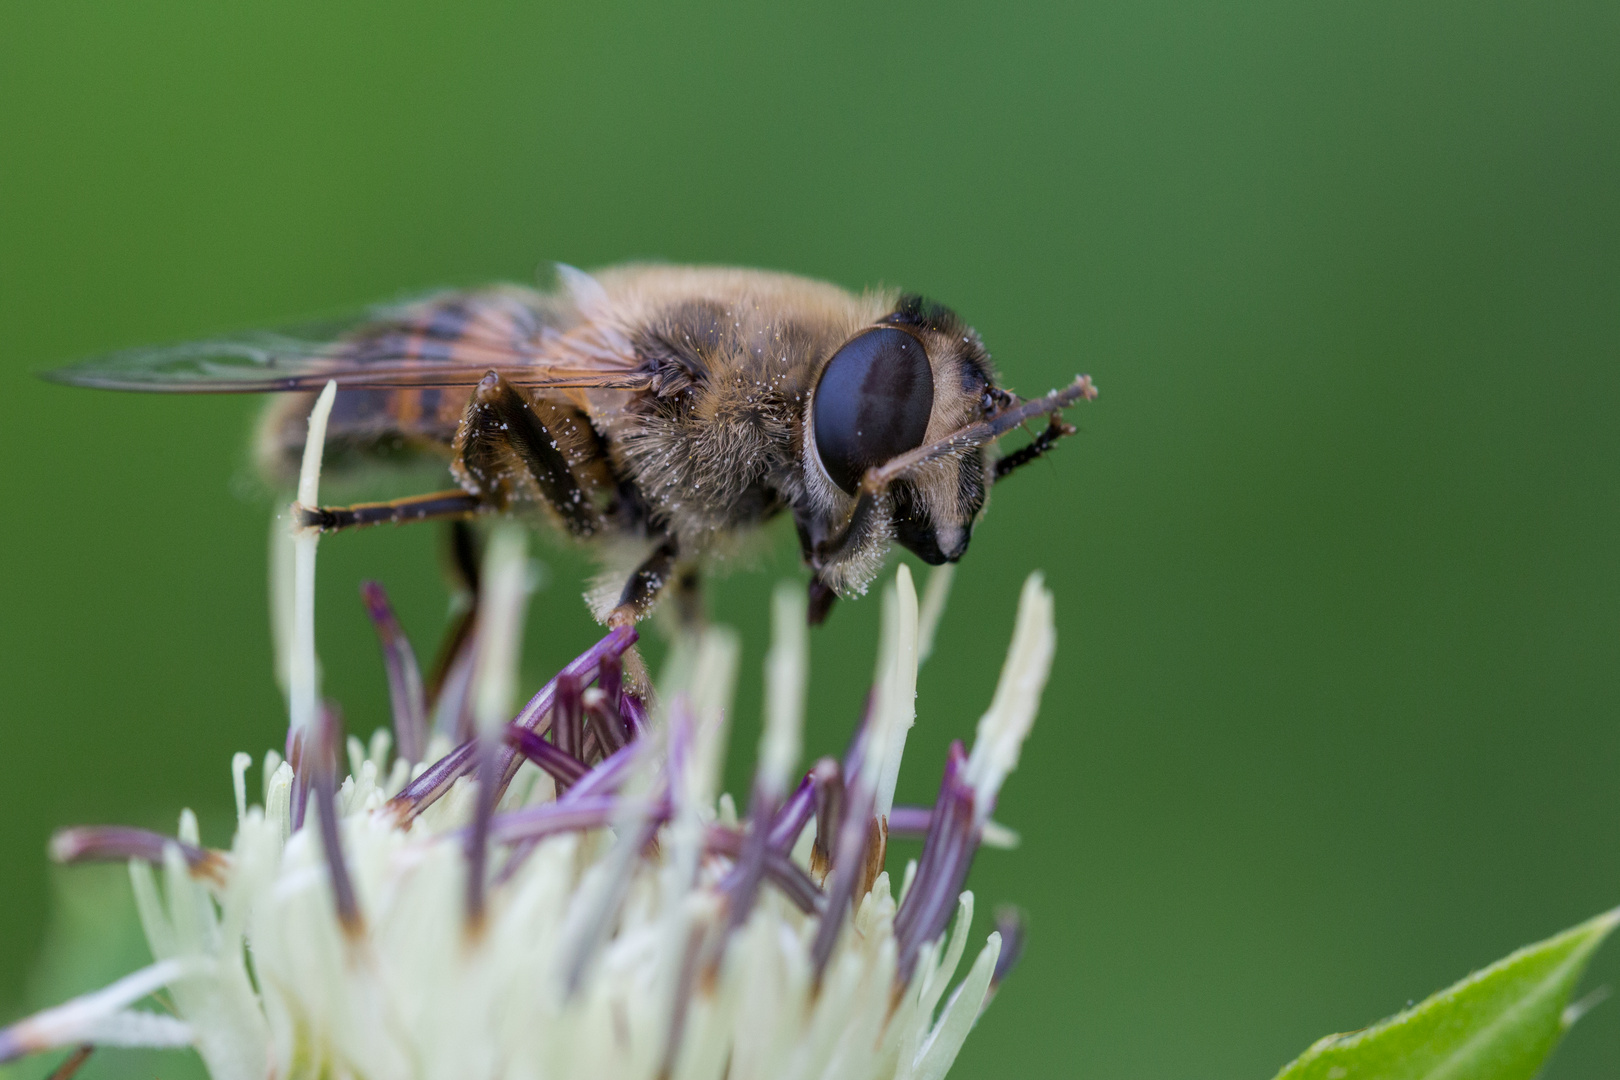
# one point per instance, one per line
(777, 868)
(298, 791)
(603, 780)
(477, 848)
(634, 712)
(405, 692)
(533, 823)
(829, 810)
(120, 843)
(790, 820)
(848, 865)
(605, 724)
(742, 884)
(535, 716)
(1010, 925)
(953, 837)
(568, 719)
(563, 767)
(327, 741)
(910, 822)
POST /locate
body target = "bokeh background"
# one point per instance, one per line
(1337, 554)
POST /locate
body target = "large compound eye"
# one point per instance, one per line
(872, 403)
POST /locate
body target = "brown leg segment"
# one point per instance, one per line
(649, 579)
(70, 1067)
(503, 453)
(503, 448)
(462, 560)
(438, 505)
(1055, 429)
(821, 601)
(689, 598)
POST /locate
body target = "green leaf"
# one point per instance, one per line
(1497, 1024)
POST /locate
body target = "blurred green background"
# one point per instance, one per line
(1337, 554)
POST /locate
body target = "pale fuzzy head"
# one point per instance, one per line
(776, 392)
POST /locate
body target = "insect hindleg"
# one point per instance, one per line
(503, 448)
(437, 505)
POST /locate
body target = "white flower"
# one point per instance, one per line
(597, 910)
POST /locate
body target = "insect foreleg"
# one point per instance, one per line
(877, 479)
(1055, 429)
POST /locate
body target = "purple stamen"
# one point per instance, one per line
(422, 792)
(603, 780)
(478, 835)
(568, 718)
(404, 676)
(120, 843)
(742, 884)
(610, 681)
(453, 705)
(776, 867)
(910, 822)
(855, 828)
(634, 712)
(605, 723)
(790, 820)
(848, 867)
(298, 792)
(324, 784)
(606, 777)
(1010, 925)
(948, 850)
(527, 827)
(787, 824)
(563, 767)
(829, 805)
(535, 823)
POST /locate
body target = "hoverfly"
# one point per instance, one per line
(658, 411)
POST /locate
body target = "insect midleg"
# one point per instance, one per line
(462, 559)
(688, 589)
(648, 580)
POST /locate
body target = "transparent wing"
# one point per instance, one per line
(449, 339)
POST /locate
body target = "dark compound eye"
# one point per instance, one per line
(872, 403)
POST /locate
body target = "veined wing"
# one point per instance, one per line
(449, 339)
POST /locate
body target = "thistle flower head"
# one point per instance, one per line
(562, 892)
